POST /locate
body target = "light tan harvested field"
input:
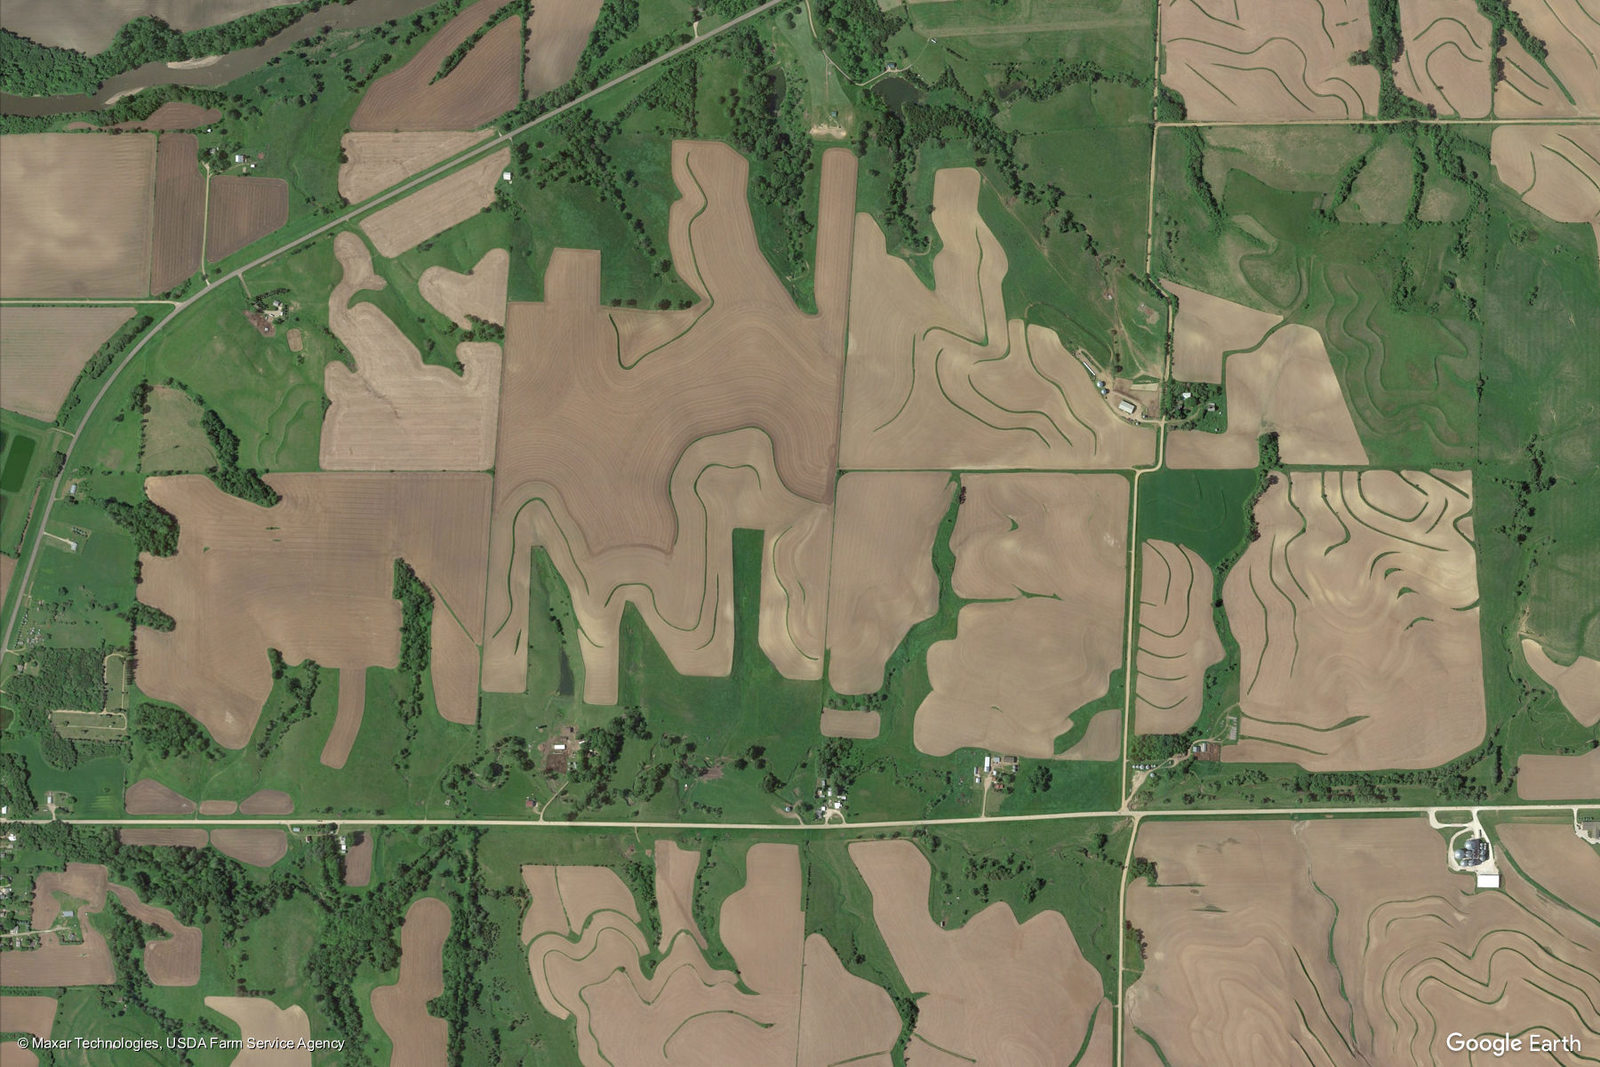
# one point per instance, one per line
(8, 567)
(1577, 683)
(862, 725)
(1046, 556)
(481, 87)
(420, 1040)
(993, 991)
(1446, 59)
(480, 293)
(374, 162)
(260, 1018)
(170, 961)
(1103, 739)
(53, 963)
(587, 968)
(352, 704)
(1570, 30)
(24, 1015)
(174, 439)
(76, 212)
(42, 351)
(940, 379)
(358, 858)
(180, 219)
(1349, 937)
(1542, 777)
(88, 26)
(149, 797)
(1555, 169)
(255, 845)
(675, 872)
(435, 208)
(267, 802)
(1207, 328)
(882, 581)
(730, 421)
(162, 836)
(1287, 385)
(394, 412)
(296, 340)
(454, 664)
(1177, 638)
(312, 577)
(218, 807)
(1559, 861)
(1265, 60)
(243, 210)
(1356, 615)
(557, 33)
(173, 115)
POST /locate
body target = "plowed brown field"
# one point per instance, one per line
(1350, 937)
(1357, 619)
(267, 802)
(882, 580)
(149, 797)
(162, 836)
(557, 33)
(1045, 556)
(420, 1040)
(1177, 638)
(173, 115)
(619, 501)
(243, 210)
(75, 209)
(42, 351)
(374, 162)
(480, 293)
(454, 665)
(25, 1015)
(940, 378)
(994, 990)
(312, 577)
(255, 845)
(352, 704)
(358, 858)
(180, 211)
(435, 208)
(1542, 777)
(481, 87)
(394, 412)
(170, 961)
(53, 963)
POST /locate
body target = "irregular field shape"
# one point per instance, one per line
(55, 964)
(941, 379)
(312, 577)
(1102, 740)
(1577, 684)
(482, 86)
(42, 351)
(558, 30)
(374, 162)
(1541, 777)
(347, 723)
(1287, 385)
(255, 845)
(881, 582)
(687, 1011)
(88, 26)
(149, 797)
(722, 415)
(862, 725)
(454, 663)
(1177, 638)
(1555, 169)
(170, 961)
(1264, 60)
(675, 874)
(26, 1015)
(1571, 32)
(1208, 327)
(1356, 614)
(267, 802)
(243, 210)
(480, 293)
(401, 1009)
(436, 207)
(1446, 59)
(1348, 936)
(1046, 556)
(174, 439)
(994, 990)
(76, 210)
(260, 1018)
(394, 411)
(174, 115)
(180, 211)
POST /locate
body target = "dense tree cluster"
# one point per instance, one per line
(242, 482)
(299, 691)
(16, 786)
(856, 34)
(101, 361)
(154, 529)
(416, 617)
(171, 733)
